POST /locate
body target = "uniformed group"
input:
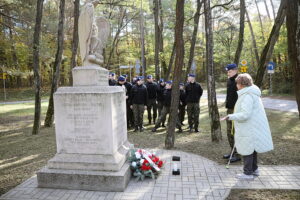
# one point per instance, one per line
(156, 98)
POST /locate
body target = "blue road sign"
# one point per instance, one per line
(271, 65)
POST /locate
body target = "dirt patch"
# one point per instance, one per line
(237, 194)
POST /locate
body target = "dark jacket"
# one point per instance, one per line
(193, 92)
(160, 92)
(139, 94)
(152, 90)
(128, 87)
(232, 95)
(167, 97)
(112, 82)
(182, 98)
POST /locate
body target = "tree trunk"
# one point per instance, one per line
(36, 68)
(170, 137)
(143, 60)
(255, 49)
(215, 125)
(273, 9)
(75, 39)
(57, 63)
(161, 41)
(260, 21)
(156, 28)
(267, 9)
(14, 55)
(241, 33)
(194, 36)
(167, 75)
(269, 47)
(293, 31)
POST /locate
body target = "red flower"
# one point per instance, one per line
(160, 164)
(155, 159)
(145, 167)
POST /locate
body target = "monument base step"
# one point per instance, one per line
(104, 181)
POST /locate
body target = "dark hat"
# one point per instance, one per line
(111, 73)
(192, 75)
(230, 66)
(169, 82)
(149, 76)
(125, 75)
(140, 78)
(121, 78)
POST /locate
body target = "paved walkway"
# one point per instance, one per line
(269, 103)
(200, 179)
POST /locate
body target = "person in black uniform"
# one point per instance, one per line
(160, 98)
(166, 107)
(231, 98)
(111, 79)
(152, 94)
(138, 99)
(182, 103)
(193, 92)
(129, 114)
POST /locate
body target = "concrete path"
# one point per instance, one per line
(269, 103)
(18, 102)
(200, 179)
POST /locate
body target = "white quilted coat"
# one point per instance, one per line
(252, 131)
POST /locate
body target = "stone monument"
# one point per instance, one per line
(90, 121)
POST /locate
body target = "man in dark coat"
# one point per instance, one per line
(160, 98)
(193, 92)
(129, 114)
(138, 99)
(182, 103)
(231, 98)
(152, 94)
(166, 107)
(111, 79)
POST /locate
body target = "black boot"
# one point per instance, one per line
(136, 129)
(196, 130)
(180, 130)
(153, 130)
(191, 129)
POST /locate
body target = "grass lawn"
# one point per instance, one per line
(22, 94)
(22, 154)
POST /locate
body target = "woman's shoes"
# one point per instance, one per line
(244, 177)
(256, 173)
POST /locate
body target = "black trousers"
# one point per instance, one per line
(250, 163)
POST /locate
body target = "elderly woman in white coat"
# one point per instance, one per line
(252, 131)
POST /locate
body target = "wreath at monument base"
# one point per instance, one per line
(144, 164)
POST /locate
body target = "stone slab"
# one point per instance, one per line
(90, 126)
(85, 180)
(90, 76)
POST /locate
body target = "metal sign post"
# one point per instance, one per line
(4, 89)
(271, 67)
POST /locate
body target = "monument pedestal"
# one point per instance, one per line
(91, 135)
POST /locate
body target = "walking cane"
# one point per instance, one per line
(227, 166)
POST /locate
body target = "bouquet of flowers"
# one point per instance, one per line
(144, 164)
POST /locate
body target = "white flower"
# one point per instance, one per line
(142, 161)
(133, 164)
(137, 155)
